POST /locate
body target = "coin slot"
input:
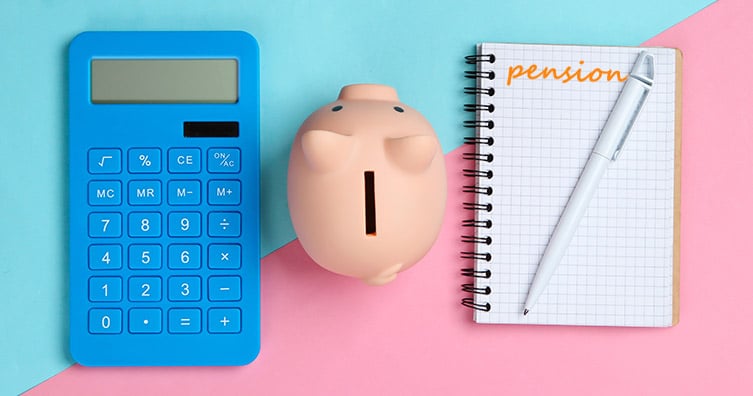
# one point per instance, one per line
(368, 178)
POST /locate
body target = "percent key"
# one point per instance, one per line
(144, 160)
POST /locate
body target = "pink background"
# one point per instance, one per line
(323, 334)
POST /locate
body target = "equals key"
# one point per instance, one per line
(184, 320)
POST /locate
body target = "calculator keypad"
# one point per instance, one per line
(148, 273)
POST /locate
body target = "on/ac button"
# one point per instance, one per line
(224, 160)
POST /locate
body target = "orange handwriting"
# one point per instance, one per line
(566, 75)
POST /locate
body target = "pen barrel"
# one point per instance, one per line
(621, 119)
(567, 225)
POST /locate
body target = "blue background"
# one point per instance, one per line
(308, 51)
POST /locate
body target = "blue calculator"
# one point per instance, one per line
(164, 198)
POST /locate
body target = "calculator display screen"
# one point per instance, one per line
(164, 81)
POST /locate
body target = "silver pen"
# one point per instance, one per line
(607, 149)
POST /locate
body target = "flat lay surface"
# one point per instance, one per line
(325, 334)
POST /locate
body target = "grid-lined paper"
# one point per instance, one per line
(618, 270)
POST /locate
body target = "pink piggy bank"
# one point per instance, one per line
(366, 184)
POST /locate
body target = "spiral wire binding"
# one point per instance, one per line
(477, 173)
(479, 91)
(487, 207)
(474, 59)
(478, 178)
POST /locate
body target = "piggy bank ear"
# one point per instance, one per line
(325, 151)
(412, 153)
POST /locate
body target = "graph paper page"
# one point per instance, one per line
(618, 269)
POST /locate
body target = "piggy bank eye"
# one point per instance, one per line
(412, 153)
(326, 151)
(337, 108)
(398, 109)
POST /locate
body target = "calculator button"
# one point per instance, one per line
(224, 224)
(147, 257)
(145, 224)
(224, 288)
(104, 161)
(184, 160)
(224, 160)
(184, 192)
(223, 256)
(225, 320)
(184, 224)
(104, 257)
(184, 256)
(145, 320)
(145, 289)
(105, 225)
(105, 289)
(144, 160)
(224, 192)
(184, 288)
(104, 193)
(144, 192)
(184, 320)
(105, 321)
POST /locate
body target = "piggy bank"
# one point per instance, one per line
(366, 184)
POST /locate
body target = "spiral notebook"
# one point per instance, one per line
(538, 112)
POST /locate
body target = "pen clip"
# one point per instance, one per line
(646, 79)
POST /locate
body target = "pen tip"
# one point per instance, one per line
(525, 312)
